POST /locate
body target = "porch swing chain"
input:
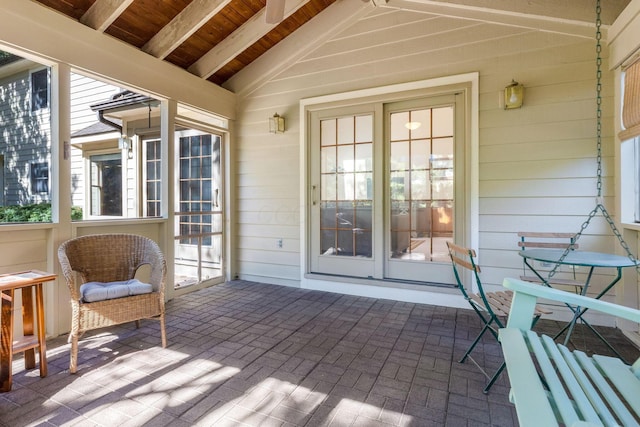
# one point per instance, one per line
(599, 200)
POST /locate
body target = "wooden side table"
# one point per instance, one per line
(27, 281)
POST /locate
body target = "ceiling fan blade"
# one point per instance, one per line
(275, 11)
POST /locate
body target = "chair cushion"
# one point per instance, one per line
(99, 291)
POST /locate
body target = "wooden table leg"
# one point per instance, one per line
(6, 339)
(27, 325)
(42, 342)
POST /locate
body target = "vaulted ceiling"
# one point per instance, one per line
(216, 39)
(213, 39)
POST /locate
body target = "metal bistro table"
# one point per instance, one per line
(591, 260)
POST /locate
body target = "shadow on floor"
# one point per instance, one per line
(245, 353)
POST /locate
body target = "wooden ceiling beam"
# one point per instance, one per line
(102, 13)
(54, 38)
(187, 22)
(313, 34)
(250, 32)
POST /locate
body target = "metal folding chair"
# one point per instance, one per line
(491, 307)
(549, 240)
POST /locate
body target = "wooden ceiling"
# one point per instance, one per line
(216, 39)
(213, 39)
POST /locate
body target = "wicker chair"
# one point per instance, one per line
(110, 258)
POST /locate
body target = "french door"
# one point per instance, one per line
(387, 188)
(343, 191)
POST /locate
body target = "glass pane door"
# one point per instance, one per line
(343, 211)
(421, 157)
(387, 189)
(198, 252)
(346, 186)
(421, 183)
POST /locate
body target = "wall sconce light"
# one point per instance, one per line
(513, 95)
(276, 124)
(125, 143)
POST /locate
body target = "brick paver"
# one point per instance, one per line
(251, 354)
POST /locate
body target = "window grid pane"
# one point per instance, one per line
(196, 186)
(346, 186)
(421, 181)
(153, 179)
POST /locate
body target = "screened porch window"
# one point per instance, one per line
(26, 141)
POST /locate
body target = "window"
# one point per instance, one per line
(196, 189)
(636, 157)
(26, 142)
(106, 184)
(630, 134)
(2, 189)
(346, 185)
(133, 162)
(40, 178)
(39, 90)
(153, 178)
(421, 182)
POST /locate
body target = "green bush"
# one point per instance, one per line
(76, 213)
(33, 213)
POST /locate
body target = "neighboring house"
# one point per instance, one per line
(25, 132)
(25, 128)
(99, 147)
(105, 154)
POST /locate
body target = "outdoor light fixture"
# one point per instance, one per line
(125, 143)
(276, 124)
(513, 95)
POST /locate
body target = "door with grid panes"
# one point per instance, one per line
(199, 225)
(424, 197)
(387, 189)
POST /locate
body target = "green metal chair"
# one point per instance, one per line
(491, 307)
(549, 240)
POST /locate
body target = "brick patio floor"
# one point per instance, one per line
(251, 354)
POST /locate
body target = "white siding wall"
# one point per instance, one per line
(24, 137)
(86, 91)
(537, 164)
